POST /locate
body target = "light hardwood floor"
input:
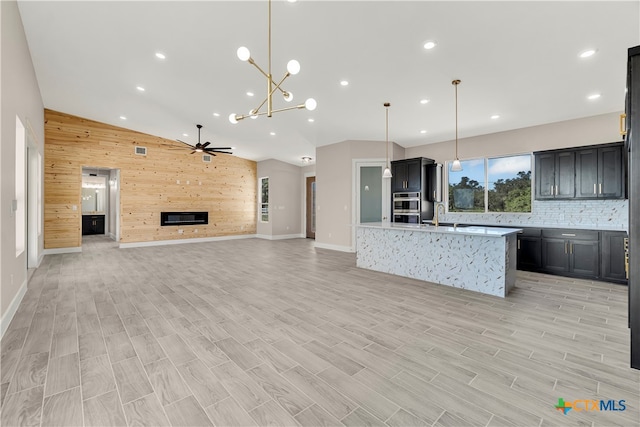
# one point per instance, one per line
(256, 332)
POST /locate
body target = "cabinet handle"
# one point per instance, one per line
(434, 195)
(571, 248)
(552, 190)
(565, 247)
(556, 190)
(594, 188)
(518, 244)
(569, 234)
(600, 187)
(623, 122)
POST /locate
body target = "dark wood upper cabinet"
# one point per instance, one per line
(595, 172)
(600, 173)
(407, 175)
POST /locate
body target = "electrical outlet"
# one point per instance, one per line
(195, 231)
(180, 231)
(74, 207)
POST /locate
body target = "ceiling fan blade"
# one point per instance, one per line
(194, 151)
(205, 144)
(217, 151)
(185, 143)
(220, 148)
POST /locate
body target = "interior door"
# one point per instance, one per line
(370, 190)
(311, 207)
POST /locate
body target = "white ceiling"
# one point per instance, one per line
(516, 59)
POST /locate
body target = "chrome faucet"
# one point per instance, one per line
(435, 213)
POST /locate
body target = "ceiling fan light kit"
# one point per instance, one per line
(204, 148)
(293, 68)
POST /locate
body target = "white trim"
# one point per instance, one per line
(280, 236)
(304, 201)
(112, 236)
(11, 310)
(356, 164)
(333, 247)
(40, 258)
(182, 241)
(55, 251)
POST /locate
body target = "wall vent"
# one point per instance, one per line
(206, 158)
(141, 151)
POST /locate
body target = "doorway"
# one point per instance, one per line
(310, 196)
(372, 194)
(101, 202)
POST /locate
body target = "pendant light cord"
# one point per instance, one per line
(456, 83)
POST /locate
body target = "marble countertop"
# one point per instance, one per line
(427, 228)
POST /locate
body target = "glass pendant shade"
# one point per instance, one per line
(387, 173)
(456, 166)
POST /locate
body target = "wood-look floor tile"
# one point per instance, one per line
(63, 409)
(184, 327)
(119, 347)
(240, 354)
(207, 351)
(361, 417)
(403, 418)
(3, 392)
(147, 348)
(188, 413)
(30, 372)
(135, 325)
(270, 355)
(166, 381)
(91, 345)
(245, 391)
(227, 412)
(88, 323)
(64, 343)
(240, 333)
(146, 411)
(65, 323)
(204, 385)
(63, 374)
(105, 309)
(369, 399)
(159, 326)
(280, 390)
(320, 392)
(111, 325)
(126, 308)
(272, 414)
(177, 350)
(449, 420)
(210, 329)
(131, 380)
(104, 410)
(8, 363)
(96, 376)
(316, 416)
(37, 342)
(341, 362)
(344, 335)
(301, 355)
(23, 408)
(13, 339)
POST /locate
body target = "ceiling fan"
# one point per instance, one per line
(204, 148)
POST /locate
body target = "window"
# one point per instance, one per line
(500, 184)
(264, 199)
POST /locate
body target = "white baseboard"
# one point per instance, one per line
(11, 310)
(54, 251)
(183, 241)
(280, 236)
(112, 236)
(333, 247)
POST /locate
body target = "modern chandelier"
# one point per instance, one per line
(387, 170)
(293, 67)
(456, 166)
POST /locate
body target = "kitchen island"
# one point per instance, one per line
(481, 259)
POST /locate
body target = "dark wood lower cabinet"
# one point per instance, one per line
(92, 224)
(586, 254)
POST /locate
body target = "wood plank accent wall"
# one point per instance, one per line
(226, 187)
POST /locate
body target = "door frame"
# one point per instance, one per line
(34, 194)
(355, 193)
(303, 231)
(308, 208)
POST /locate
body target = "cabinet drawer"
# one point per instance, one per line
(570, 234)
(531, 232)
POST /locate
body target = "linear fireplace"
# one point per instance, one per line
(183, 218)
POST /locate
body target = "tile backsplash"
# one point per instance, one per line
(587, 214)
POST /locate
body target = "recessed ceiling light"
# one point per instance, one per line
(587, 53)
(160, 55)
(216, 114)
(185, 134)
(424, 101)
(272, 133)
(249, 93)
(123, 118)
(495, 116)
(594, 96)
(140, 88)
(344, 83)
(306, 159)
(310, 120)
(423, 131)
(429, 44)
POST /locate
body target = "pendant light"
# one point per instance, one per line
(387, 170)
(456, 166)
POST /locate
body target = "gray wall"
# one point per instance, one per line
(286, 195)
(20, 97)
